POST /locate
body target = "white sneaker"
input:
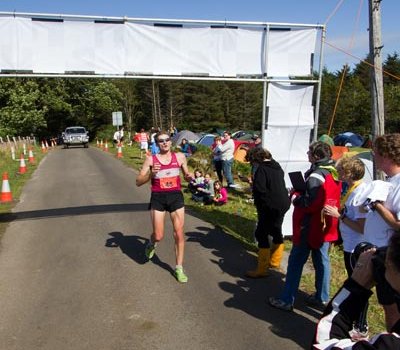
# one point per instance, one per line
(234, 186)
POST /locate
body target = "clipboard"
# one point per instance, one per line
(297, 180)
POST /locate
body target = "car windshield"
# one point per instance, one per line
(76, 131)
(207, 140)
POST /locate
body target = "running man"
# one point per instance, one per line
(163, 170)
(144, 142)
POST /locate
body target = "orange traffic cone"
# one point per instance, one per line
(106, 147)
(97, 143)
(101, 144)
(43, 147)
(22, 165)
(6, 195)
(119, 152)
(31, 158)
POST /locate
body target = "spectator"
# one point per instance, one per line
(197, 182)
(154, 148)
(351, 221)
(217, 157)
(144, 142)
(173, 131)
(334, 328)
(205, 193)
(185, 148)
(153, 133)
(220, 194)
(118, 137)
(384, 218)
(272, 202)
(312, 231)
(227, 149)
(257, 141)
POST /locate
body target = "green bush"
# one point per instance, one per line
(106, 132)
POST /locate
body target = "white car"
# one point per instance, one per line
(76, 136)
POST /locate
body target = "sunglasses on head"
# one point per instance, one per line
(163, 140)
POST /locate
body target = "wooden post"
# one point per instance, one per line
(375, 57)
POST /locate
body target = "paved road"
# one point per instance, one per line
(73, 273)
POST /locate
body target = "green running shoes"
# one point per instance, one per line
(180, 275)
(150, 250)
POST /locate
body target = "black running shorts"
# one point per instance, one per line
(166, 201)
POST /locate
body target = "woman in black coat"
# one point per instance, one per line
(272, 202)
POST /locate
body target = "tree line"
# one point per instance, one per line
(44, 107)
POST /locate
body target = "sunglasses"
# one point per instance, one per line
(163, 140)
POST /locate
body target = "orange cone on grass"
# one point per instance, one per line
(22, 165)
(43, 147)
(119, 152)
(6, 195)
(31, 158)
(106, 147)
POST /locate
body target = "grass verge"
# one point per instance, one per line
(16, 180)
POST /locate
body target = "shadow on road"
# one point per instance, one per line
(251, 295)
(73, 211)
(133, 247)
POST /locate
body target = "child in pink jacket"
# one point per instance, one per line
(220, 194)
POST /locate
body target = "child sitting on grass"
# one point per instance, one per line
(205, 194)
(196, 182)
(220, 194)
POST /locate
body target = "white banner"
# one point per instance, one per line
(291, 52)
(291, 115)
(281, 95)
(66, 46)
(288, 143)
(289, 124)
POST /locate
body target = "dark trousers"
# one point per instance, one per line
(269, 224)
(218, 169)
(362, 322)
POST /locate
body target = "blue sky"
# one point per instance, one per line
(343, 29)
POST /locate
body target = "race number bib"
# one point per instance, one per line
(168, 182)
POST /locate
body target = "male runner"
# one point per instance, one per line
(163, 170)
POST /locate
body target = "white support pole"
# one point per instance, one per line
(318, 98)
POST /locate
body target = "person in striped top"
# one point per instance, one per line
(144, 142)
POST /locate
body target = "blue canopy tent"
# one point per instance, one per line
(348, 138)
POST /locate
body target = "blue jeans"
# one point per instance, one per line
(227, 169)
(298, 257)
